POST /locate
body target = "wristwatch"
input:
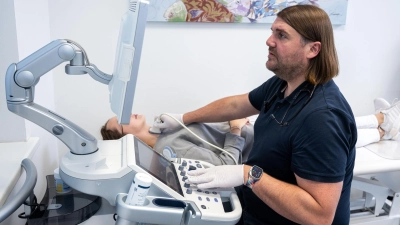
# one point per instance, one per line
(255, 174)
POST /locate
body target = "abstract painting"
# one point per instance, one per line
(236, 11)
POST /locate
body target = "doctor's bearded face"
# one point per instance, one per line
(137, 124)
(287, 52)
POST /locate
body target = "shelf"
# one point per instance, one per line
(68, 208)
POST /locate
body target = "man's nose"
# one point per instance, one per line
(270, 42)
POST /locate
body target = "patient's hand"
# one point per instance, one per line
(237, 125)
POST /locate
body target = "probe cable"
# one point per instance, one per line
(183, 125)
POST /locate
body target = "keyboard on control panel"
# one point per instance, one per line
(206, 200)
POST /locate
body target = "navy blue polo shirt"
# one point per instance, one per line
(313, 136)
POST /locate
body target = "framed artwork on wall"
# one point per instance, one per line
(236, 11)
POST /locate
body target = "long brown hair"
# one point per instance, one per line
(313, 24)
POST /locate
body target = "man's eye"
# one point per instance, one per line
(280, 35)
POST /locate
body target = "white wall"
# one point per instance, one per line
(184, 66)
(368, 47)
(12, 127)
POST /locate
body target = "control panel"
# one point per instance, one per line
(209, 201)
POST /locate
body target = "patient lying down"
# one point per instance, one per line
(235, 136)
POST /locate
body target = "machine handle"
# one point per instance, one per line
(146, 213)
(27, 188)
(237, 207)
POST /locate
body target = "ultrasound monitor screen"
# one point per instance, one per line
(156, 165)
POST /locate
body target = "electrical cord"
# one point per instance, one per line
(183, 125)
(34, 206)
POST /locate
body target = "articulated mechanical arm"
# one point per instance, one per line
(22, 77)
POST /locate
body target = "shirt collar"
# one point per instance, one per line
(304, 89)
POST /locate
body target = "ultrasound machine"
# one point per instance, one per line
(107, 168)
(110, 171)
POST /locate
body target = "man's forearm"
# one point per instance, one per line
(217, 111)
(291, 201)
(225, 109)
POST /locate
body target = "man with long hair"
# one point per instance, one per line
(301, 166)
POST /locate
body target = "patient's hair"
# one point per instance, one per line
(109, 134)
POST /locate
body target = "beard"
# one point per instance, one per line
(286, 69)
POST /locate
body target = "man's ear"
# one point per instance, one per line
(313, 49)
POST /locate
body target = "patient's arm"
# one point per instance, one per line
(233, 144)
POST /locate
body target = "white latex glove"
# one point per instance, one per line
(217, 176)
(166, 122)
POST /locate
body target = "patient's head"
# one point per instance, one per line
(112, 130)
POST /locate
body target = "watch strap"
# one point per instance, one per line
(250, 182)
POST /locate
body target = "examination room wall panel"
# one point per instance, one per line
(12, 127)
(369, 53)
(24, 28)
(186, 65)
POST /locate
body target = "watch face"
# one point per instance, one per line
(256, 172)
